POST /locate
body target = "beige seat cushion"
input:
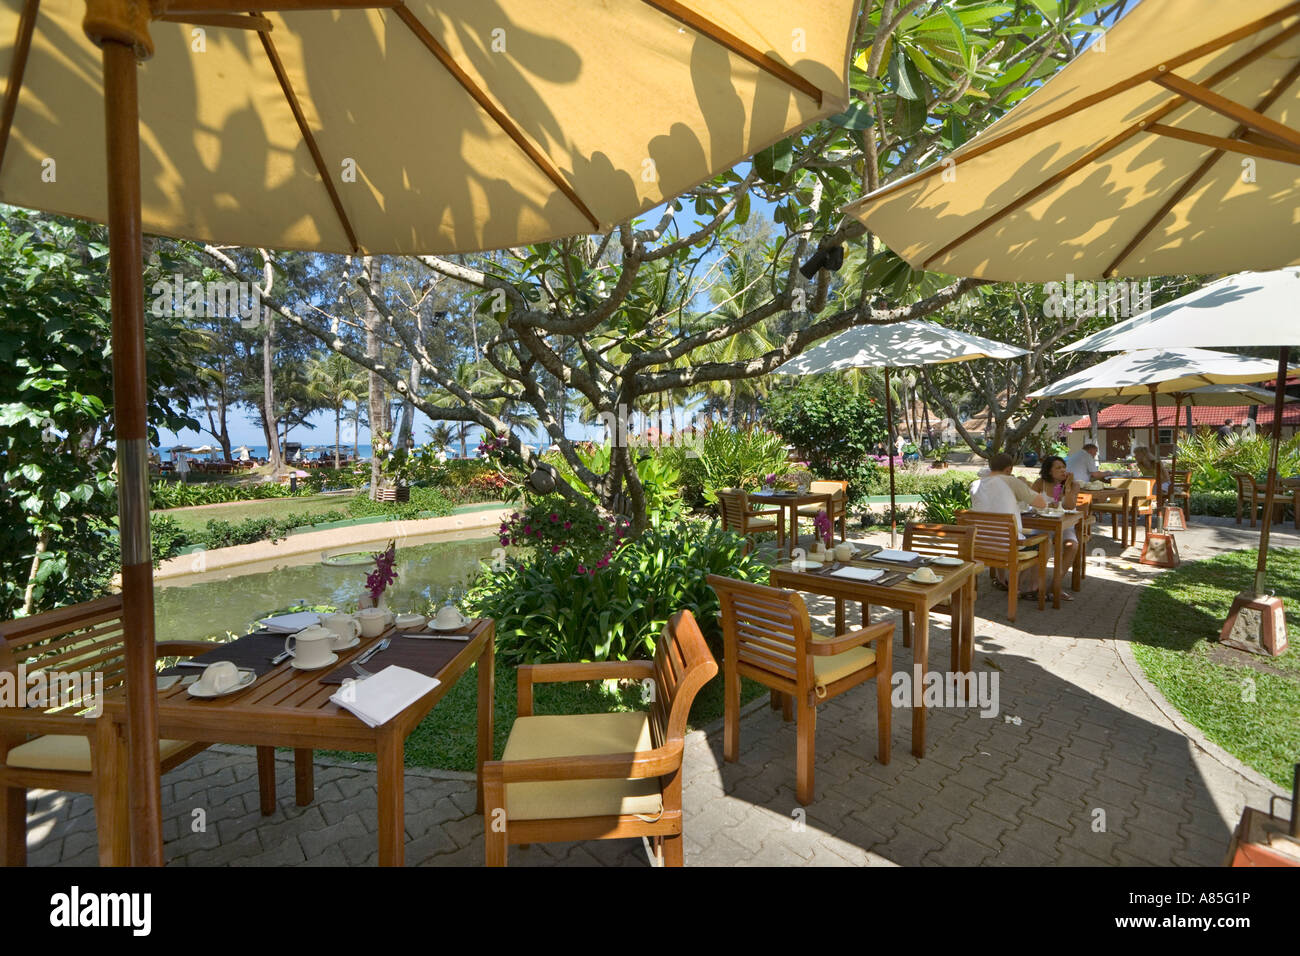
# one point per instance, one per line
(574, 736)
(68, 752)
(760, 526)
(827, 670)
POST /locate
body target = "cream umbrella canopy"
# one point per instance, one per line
(895, 345)
(363, 127)
(1170, 147)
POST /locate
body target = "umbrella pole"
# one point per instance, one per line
(121, 29)
(1279, 397)
(1155, 450)
(889, 419)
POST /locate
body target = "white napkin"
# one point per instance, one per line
(891, 555)
(858, 574)
(290, 623)
(378, 699)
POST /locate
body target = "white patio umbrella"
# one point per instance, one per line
(895, 345)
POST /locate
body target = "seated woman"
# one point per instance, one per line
(1060, 489)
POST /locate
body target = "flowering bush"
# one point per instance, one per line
(554, 526)
(489, 483)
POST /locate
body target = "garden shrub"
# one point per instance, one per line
(179, 494)
(942, 502)
(834, 428)
(723, 457)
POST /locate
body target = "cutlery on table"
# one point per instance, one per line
(281, 657)
(381, 646)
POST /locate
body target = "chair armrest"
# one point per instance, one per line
(844, 642)
(27, 720)
(530, 674)
(638, 764)
(764, 513)
(1032, 540)
(183, 648)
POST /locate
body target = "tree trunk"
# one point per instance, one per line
(464, 429)
(378, 399)
(268, 398)
(338, 415)
(408, 407)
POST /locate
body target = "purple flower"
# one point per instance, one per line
(554, 517)
(568, 525)
(555, 549)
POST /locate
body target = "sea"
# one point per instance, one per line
(363, 449)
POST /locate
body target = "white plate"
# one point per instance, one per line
(245, 680)
(302, 667)
(352, 642)
(435, 626)
(947, 562)
(408, 622)
(915, 580)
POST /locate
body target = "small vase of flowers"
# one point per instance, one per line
(384, 574)
(824, 534)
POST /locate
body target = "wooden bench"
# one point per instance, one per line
(61, 743)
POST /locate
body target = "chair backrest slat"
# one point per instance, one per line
(945, 540)
(766, 627)
(995, 534)
(733, 504)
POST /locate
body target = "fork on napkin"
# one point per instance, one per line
(381, 697)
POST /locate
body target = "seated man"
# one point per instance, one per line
(1002, 492)
(1082, 464)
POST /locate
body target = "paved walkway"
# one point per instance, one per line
(1084, 764)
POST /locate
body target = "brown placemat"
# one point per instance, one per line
(423, 657)
(251, 652)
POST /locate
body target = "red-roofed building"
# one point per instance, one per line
(1119, 425)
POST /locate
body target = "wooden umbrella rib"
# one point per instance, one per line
(22, 46)
(1224, 145)
(703, 25)
(1244, 115)
(498, 115)
(1201, 171)
(278, 66)
(233, 20)
(1123, 86)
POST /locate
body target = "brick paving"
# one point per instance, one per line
(1084, 764)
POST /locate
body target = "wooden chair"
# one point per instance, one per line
(998, 545)
(943, 540)
(600, 776)
(1141, 504)
(53, 747)
(1249, 493)
(839, 513)
(737, 516)
(768, 638)
(1180, 489)
(1137, 501)
(1083, 501)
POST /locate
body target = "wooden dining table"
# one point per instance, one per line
(1057, 525)
(956, 586)
(792, 501)
(287, 707)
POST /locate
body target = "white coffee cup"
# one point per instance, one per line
(374, 621)
(218, 677)
(448, 616)
(313, 646)
(843, 552)
(343, 626)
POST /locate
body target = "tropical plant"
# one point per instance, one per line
(834, 427)
(335, 381)
(941, 503)
(723, 457)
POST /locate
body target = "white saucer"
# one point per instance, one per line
(351, 643)
(435, 626)
(947, 562)
(245, 680)
(409, 622)
(915, 580)
(293, 661)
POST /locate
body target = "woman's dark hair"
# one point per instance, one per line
(1046, 470)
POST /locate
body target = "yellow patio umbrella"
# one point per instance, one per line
(364, 127)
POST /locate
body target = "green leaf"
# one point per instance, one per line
(857, 116)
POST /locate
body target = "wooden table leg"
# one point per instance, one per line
(304, 777)
(968, 629)
(956, 601)
(266, 779)
(1076, 569)
(13, 826)
(112, 805)
(486, 702)
(866, 613)
(1058, 555)
(392, 796)
(920, 657)
(841, 622)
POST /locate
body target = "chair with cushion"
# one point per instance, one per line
(600, 776)
(998, 545)
(1180, 490)
(737, 516)
(53, 746)
(839, 513)
(1124, 512)
(767, 637)
(1141, 504)
(1251, 494)
(1083, 501)
(941, 540)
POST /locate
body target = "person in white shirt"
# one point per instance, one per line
(1002, 492)
(1083, 465)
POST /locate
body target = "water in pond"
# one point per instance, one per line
(211, 605)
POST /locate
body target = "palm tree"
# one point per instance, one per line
(335, 381)
(741, 291)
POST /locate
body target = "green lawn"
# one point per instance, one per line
(1252, 712)
(447, 737)
(196, 519)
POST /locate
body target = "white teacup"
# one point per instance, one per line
(448, 616)
(925, 574)
(343, 626)
(374, 621)
(843, 552)
(218, 677)
(313, 646)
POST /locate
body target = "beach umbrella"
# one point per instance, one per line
(1170, 147)
(890, 346)
(358, 127)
